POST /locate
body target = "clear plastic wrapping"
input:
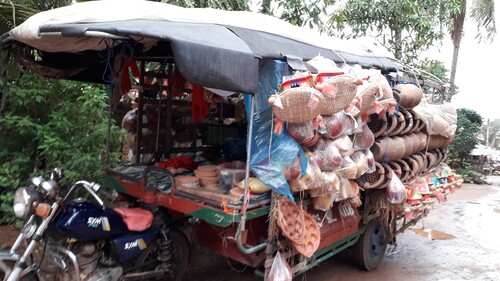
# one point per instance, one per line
(333, 125)
(324, 202)
(364, 139)
(396, 191)
(300, 132)
(329, 183)
(293, 171)
(370, 159)
(361, 161)
(327, 155)
(344, 145)
(348, 168)
(345, 190)
(349, 123)
(280, 269)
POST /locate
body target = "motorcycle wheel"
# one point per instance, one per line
(181, 254)
(369, 251)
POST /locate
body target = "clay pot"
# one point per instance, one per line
(373, 180)
(394, 148)
(400, 125)
(291, 221)
(408, 121)
(377, 125)
(407, 95)
(405, 169)
(310, 243)
(187, 181)
(392, 122)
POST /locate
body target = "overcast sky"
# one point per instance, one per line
(478, 73)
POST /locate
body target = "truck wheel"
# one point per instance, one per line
(369, 251)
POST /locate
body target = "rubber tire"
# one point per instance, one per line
(181, 253)
(369, 251)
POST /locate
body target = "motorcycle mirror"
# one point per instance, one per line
(57, 174)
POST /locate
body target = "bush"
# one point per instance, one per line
(48, 124)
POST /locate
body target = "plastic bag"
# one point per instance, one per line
(371, 161)
(396, 191)
(327, 155)
(310, 180)
(129, 122)
(293, 171)
(361, 162)
(280, 270)
(329, 183)
(300, 132)
(334, 124)
(348, 168)
(324, 202)
(345, 190)
(365, 139)
(344, 145)
(349, 123)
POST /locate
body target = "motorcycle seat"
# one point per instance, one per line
(136, 219)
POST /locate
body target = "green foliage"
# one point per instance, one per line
(468, 127)
(406, 27)
(302, 13)
(483, 13)
(53, 123)
(230, 5)
(468, 174)
(434, 67)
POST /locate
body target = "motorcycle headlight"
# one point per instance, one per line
(23, 201)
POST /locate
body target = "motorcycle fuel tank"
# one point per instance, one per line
(127, 247)
(86, 221)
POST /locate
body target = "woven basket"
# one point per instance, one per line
(368, 97)
(343, 92)
(299, 104)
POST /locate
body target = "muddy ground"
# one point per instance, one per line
(459, 240)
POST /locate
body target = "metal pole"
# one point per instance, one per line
(108, 135)
(241, 227)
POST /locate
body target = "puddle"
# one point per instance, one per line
(432, 234)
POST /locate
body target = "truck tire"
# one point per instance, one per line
(369, 251)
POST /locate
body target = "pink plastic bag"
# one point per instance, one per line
(280, 270)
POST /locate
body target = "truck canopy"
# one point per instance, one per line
(71, 41)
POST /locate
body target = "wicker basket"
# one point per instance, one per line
(338, 92)
(298, 104)
(368, 97)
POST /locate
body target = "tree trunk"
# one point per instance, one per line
(266, 7)
(398, 48)
(456, 36)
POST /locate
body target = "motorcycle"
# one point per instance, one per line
(73, 238)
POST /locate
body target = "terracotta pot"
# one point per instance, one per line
(387, 177)
(408, 121)
(422, 141)
(408, 95)
(410, 145)
(378, 125)
(373, 180)
(392, 122)
(394, 148)
(405, 169)
(400, 125)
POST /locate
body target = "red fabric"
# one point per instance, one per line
(125, 79)
(136, 219)
(179, 162)
(199, 108)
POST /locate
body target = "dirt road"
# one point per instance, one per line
(459, 240)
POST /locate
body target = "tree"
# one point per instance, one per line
(468, 127)
(406, 27)
(490, 132)
(230, 5)
(483, 14)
